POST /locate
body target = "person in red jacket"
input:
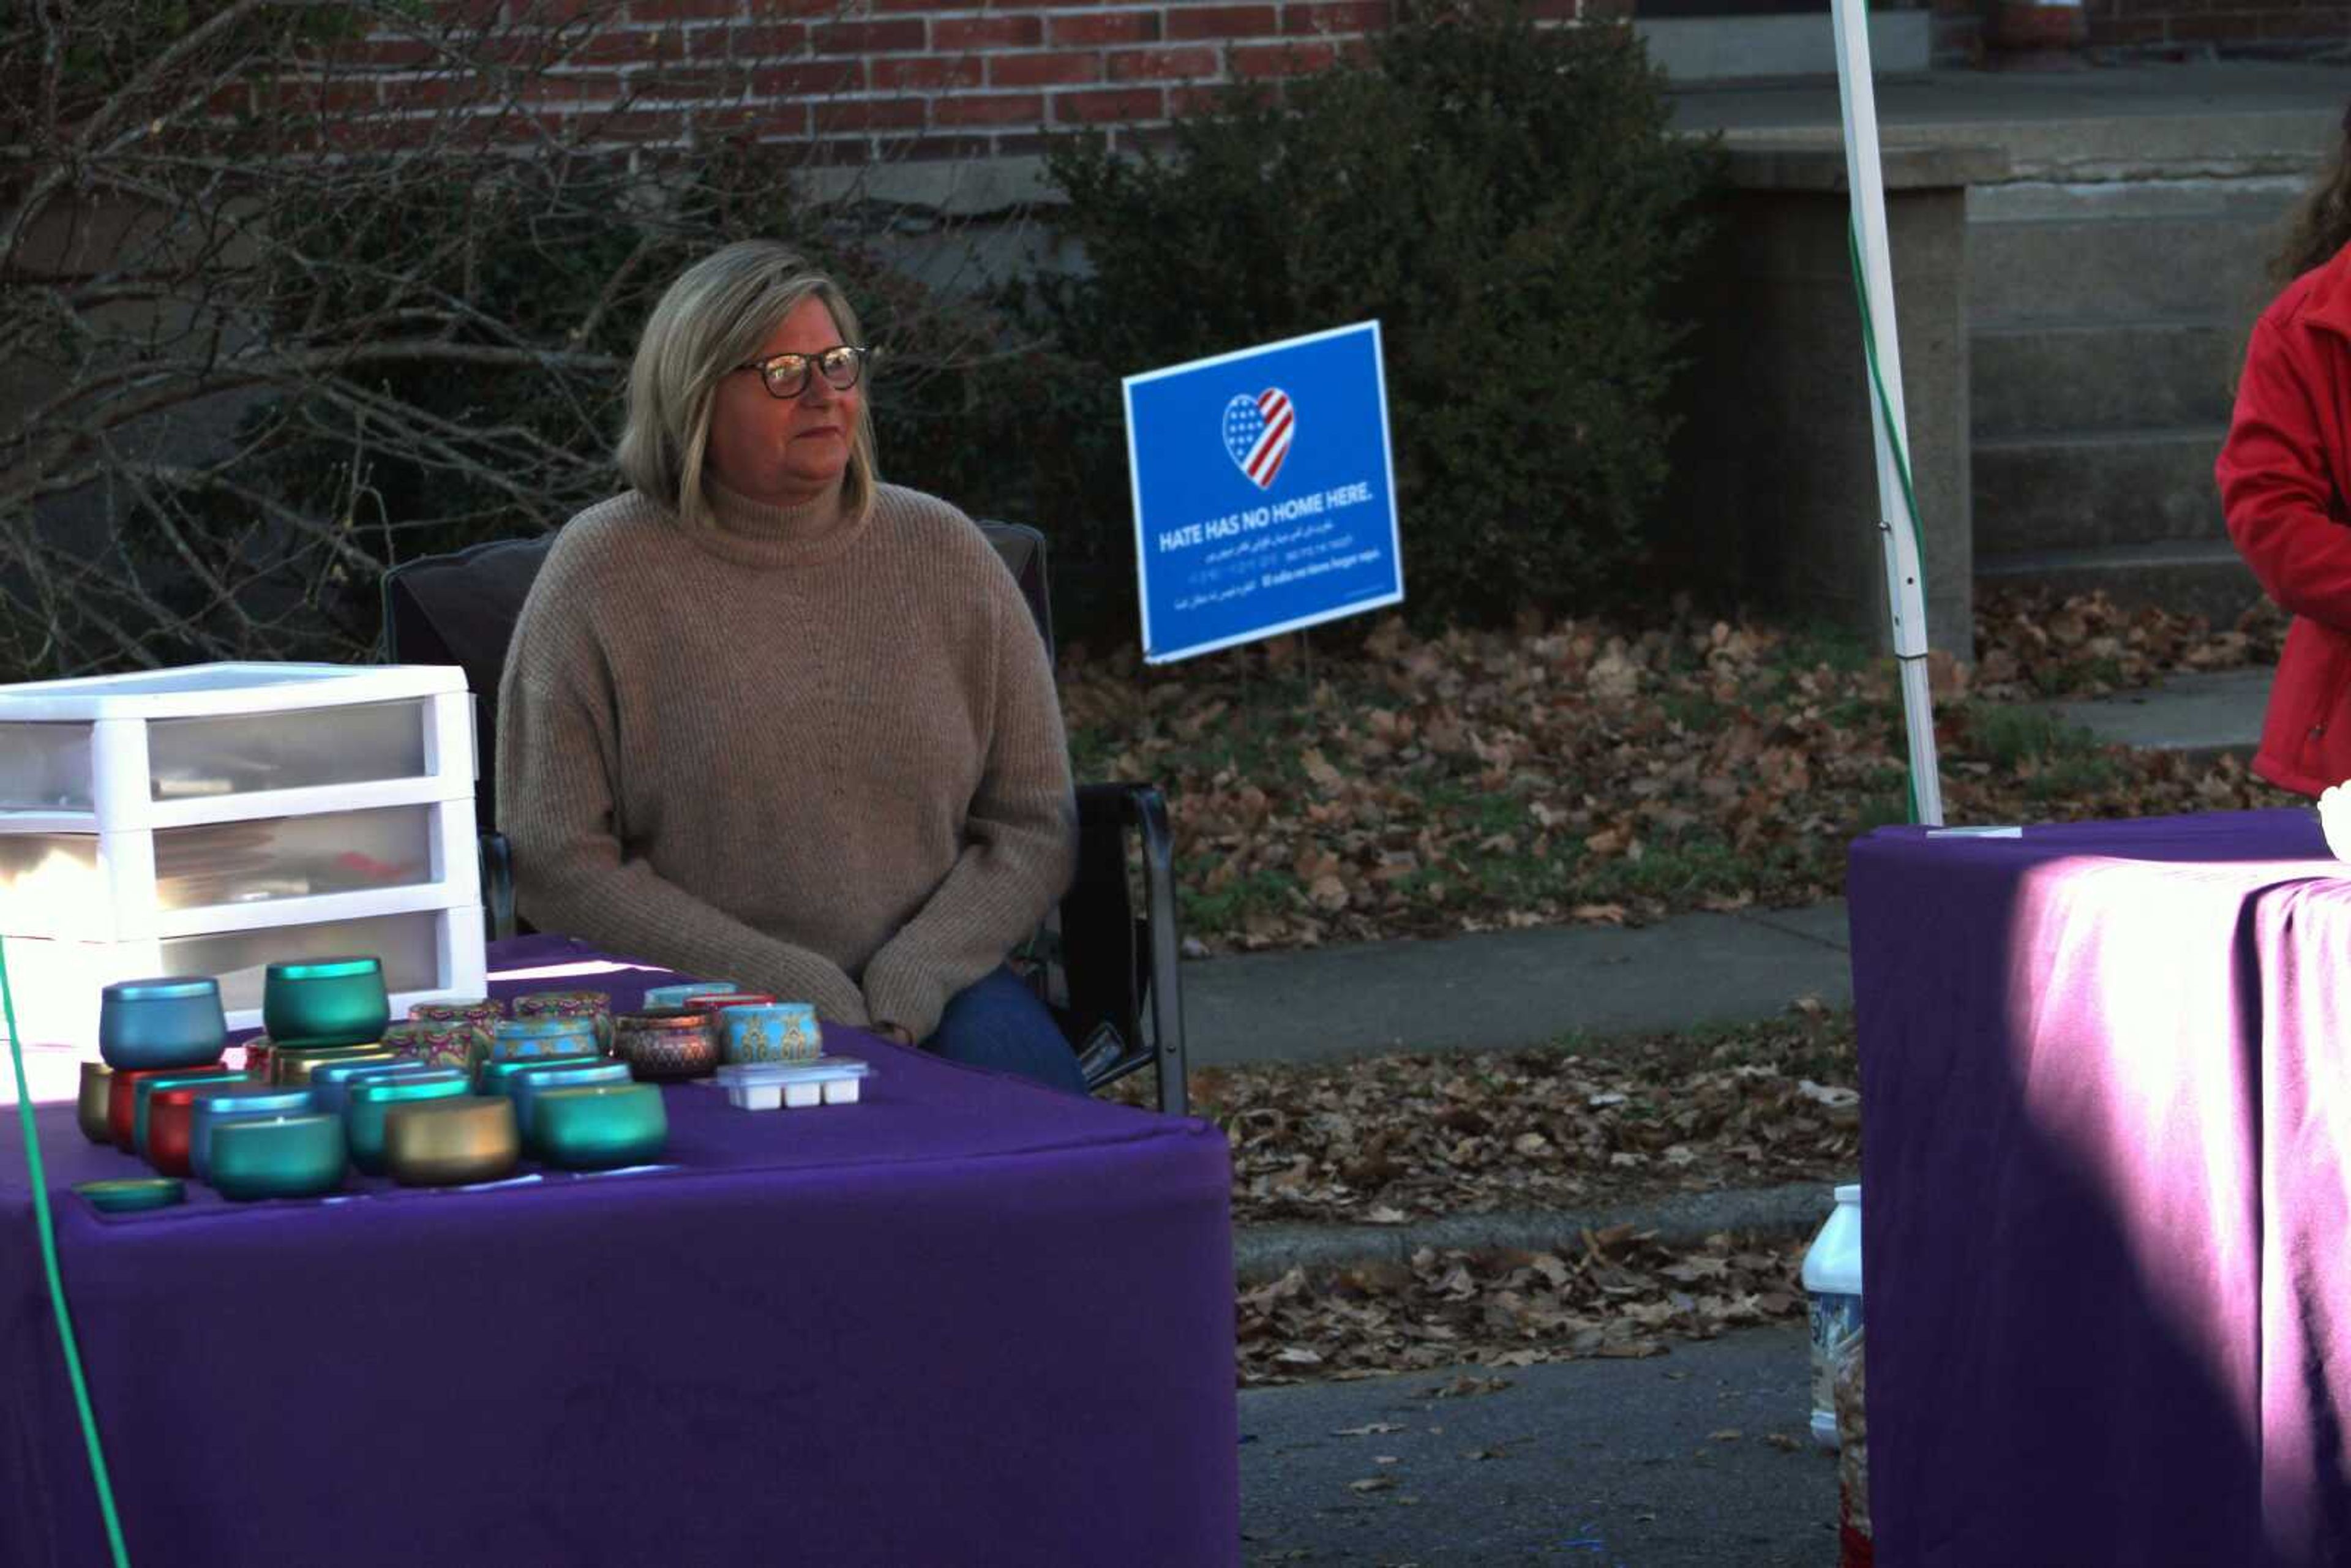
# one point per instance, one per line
(2284, 471)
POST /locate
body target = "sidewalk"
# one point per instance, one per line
(1510, 989)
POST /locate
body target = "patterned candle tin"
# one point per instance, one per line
(440, 1044)
(771, 1032)
(665, 1044)
(553, 1035)
(594, 1006)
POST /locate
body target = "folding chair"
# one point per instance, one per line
(1121, 1008)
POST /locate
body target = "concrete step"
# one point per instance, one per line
(2204, 578)
(2204, 714)
(2104, 378)
(2204, 266)
(2078, 491)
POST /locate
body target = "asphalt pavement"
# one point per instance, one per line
(1628, 1464)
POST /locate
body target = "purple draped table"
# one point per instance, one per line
(2106, 1074)
(966, 1321)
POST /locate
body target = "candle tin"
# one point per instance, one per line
(325, 1001)
(480, 1012)
(662, 1044)
(330, 1083)
(175, 1021)
(89, 1109)
(497, 1077)
(214, 1106)
(447, 1143)
(370, 1100)
(770, 1033)
(713, 1001)
(527, 1087)
(130, 1194)
(122, 1103)
(143, 1096)
(596, 1006)
(661, 997)
(277, 1156)
(551, 1035)
(291, 1062)
(457, 1044)
(169, 1120)
(599, 1125)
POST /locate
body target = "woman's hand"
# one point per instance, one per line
(893, 1031)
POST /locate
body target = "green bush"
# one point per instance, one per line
(1504, 198)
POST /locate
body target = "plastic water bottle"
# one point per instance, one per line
(1833, 1281)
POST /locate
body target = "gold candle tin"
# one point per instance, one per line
(291, 1065)
(90, 1109)
(447, 1143)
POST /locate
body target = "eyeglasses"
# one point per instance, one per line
(787, 376)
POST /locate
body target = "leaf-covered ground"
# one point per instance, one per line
(1581, 771)
(1587, 771)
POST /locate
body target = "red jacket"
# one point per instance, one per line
(2284, 475)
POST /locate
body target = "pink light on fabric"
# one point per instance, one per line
(2136, 1029)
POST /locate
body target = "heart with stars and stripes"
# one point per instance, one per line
(1258, 431)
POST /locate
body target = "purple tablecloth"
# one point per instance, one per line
(968, 1321)
(2107, 1073)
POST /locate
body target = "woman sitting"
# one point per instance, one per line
(767, 719)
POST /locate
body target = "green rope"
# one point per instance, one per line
(1893, 438)
(57, 1282)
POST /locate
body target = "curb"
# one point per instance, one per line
(1265, 1252)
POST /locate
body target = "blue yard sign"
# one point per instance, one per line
(1264, 495)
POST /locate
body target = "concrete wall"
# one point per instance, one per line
(1775, 499)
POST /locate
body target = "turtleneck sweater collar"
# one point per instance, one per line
(754, 533)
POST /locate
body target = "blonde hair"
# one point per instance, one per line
(714, 318)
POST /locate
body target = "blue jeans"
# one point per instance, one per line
(997, 1023)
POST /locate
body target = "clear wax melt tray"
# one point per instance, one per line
(765, 1086)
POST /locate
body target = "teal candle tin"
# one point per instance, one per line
(174, 1021)
(215, 1105)
(132, 1194)
(144, 1096)
(528, 1085)
(497, 1077)
(600, 1126)
(325, 1001)
(674, 996)
(331, 1083)
(372, 1099)
(278, 1157)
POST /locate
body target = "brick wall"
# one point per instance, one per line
(2142, 23)
(888, 79)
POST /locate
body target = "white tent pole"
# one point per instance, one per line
(1898, 524)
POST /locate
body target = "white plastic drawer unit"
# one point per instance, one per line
(428, 955)
(214, 876)
(208, 743)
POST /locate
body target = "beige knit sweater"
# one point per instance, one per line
(821, 758)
